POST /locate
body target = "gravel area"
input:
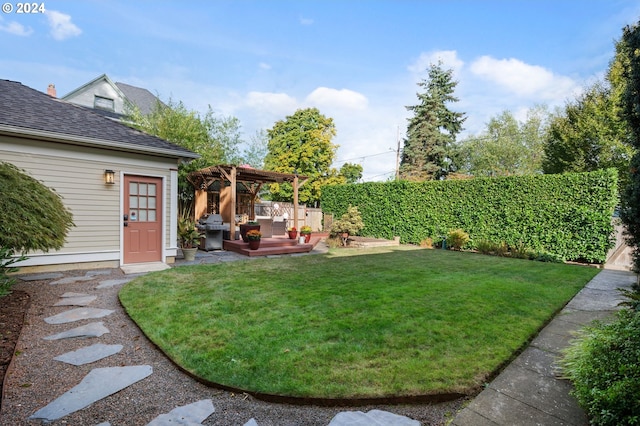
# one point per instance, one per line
(34, 379)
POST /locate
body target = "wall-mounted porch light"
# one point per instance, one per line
(109, 177)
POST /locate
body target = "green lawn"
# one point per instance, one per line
(353, 323)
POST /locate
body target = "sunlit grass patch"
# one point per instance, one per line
(353, 323)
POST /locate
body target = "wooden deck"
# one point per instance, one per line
(273, 246)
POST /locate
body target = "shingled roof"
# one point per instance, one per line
(28, 112)
(142, 98)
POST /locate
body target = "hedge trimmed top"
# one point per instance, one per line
(568, 215)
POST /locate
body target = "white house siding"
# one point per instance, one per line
(86, 96)
(77, 174)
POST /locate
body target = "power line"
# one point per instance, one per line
(365, 156)
(381, 174)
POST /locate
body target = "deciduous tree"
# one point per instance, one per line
(215, 138)
(506, 147)
(302, 144)
(588, 135)
(351, 172)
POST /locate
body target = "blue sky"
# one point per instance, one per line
(358, 62)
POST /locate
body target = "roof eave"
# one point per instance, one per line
(98, 143)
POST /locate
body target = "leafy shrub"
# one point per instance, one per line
(457, 238)
(485, 247)
(632, 297)
(603, 366)
(427, 243)
(547, 257)
(334, 242)
(521, 251)
(350, 223)
(39, 220)
(6, 260)
(567, 214)
(501, 249)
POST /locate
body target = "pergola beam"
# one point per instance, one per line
(252, 179)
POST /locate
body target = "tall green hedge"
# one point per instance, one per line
(568, 215)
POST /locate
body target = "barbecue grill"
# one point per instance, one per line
(213, 228)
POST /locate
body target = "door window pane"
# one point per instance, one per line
(142, 198)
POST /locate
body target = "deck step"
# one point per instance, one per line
(271, 246)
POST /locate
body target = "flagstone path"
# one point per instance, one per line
(100, 383)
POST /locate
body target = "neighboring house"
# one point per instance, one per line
(112, 99)
(74, 150)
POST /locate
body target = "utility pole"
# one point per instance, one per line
(398, 153)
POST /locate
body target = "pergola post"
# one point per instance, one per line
(234, 196)
(231, 177)
(251, 178)
(295, 201)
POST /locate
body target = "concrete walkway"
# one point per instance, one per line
(530, 390)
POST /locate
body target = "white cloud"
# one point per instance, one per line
(271, 101)
(524, 80)
(306, 21)
(61, 26)
(264, 66)
(449, 59)
(15, 28)
(333, 98)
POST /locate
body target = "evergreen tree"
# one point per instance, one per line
(629, 50)
(432, 130)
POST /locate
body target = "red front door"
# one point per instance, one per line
(142, 219)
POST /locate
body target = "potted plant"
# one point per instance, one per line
(246, 227)
(189, 238)
(306, 231)
(349, 224)
(253, 238)
(293, 233)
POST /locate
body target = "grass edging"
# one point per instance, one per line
(522, 299)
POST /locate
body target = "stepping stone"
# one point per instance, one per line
(251, 422)
(98, 384)
(74, 294)
(94, 329)
(89, 354)
(76, 300)
(371, 418)
(40, 277)
(113, 283)
(192, 414)
(78, 314)
(71, 280)
(99, 272)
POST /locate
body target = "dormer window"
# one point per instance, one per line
(100, 102)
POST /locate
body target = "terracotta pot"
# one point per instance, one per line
(244, 228)
(292, 234)
(307, 237)
(254, 244)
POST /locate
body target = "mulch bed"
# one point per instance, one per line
(12, 313)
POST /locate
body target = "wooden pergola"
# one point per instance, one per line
(250, 178)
